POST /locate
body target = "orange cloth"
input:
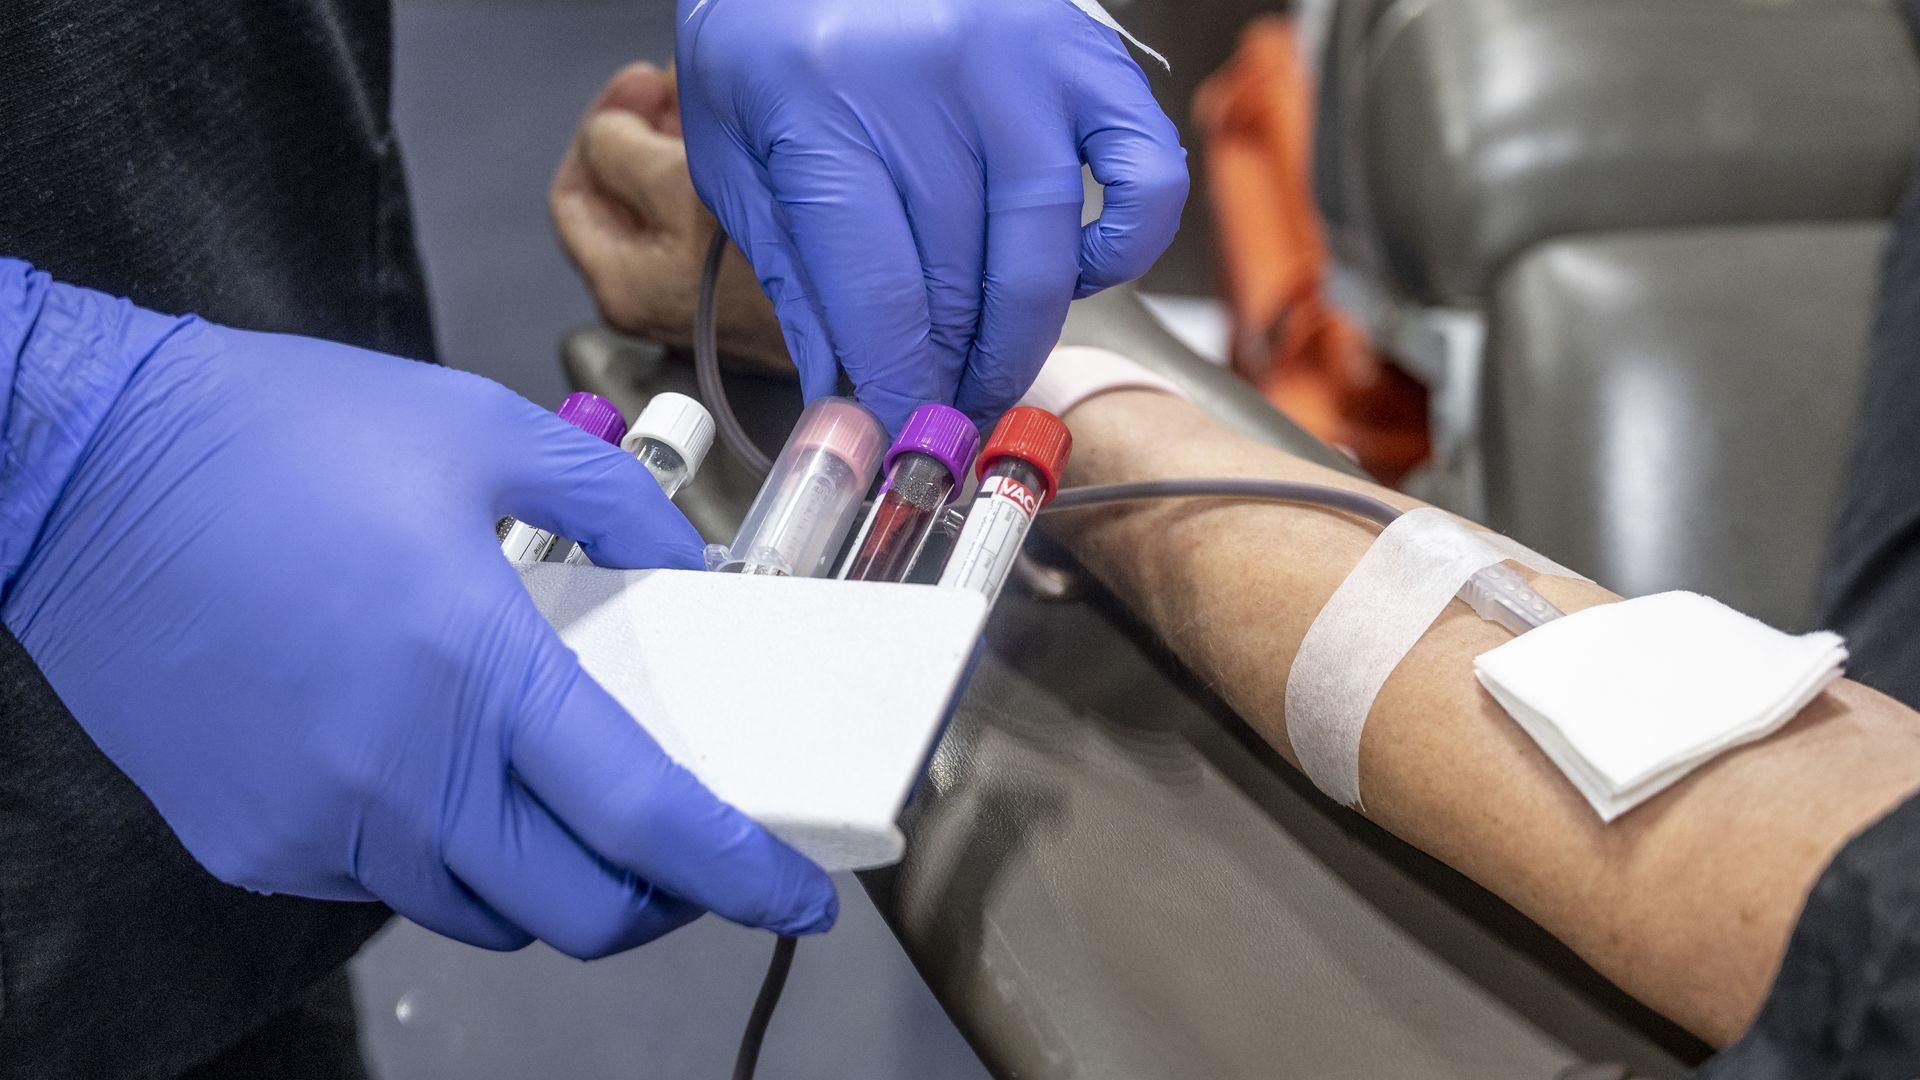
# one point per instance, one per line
(1255, 118)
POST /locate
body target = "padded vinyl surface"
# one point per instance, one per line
(1486, 126)
(1675, 410)
(1108, 877)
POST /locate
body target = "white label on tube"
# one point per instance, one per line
(991, 538)
(524, 543)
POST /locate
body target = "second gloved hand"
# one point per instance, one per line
(263, 576)
(904, 176)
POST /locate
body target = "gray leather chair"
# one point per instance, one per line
(1632, 245)
(1108, 876)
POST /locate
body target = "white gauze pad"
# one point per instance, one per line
(1376, 616)
(1628, 698)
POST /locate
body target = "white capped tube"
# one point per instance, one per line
(671, 438)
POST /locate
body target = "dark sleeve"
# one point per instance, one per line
(1870, 587)
(1846, 1004)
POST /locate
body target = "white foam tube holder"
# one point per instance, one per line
(813, 705)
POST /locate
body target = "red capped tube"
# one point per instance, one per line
(1019, 470)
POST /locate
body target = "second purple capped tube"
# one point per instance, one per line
(597, 417)
(924, 471)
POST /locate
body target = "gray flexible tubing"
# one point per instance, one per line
(1496, 593)
(1332, 498)
(706, 363)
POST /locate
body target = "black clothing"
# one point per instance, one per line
(235, 159)
(225, 158)
(1846, 1004)
(1870, 586)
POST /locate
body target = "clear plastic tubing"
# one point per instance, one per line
(671, 438)
(923, 470)
(1019, 472)
(802, 514)
(592, 414)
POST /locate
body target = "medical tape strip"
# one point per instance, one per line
(1400, 586)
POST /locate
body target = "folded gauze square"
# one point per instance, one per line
(1627, 698)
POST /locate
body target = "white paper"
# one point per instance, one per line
(1629, 698)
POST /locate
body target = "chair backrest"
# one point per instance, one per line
(1675, 409)
(1666, 216)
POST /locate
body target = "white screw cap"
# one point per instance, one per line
(678, 421)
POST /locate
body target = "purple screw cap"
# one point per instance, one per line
(594, 415)
(943, 433)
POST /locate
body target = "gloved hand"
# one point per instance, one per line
(904, 176)
(261, 571)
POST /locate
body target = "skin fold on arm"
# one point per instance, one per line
(1686, 902)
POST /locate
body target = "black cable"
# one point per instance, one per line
(706, 371)
(706, 362)
(762, 1015)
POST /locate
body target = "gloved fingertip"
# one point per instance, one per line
(817, 909)
(664, 540)
(1146, 183)
(986, 398)
(683, 556)
(661, 555)
(890, 406)
(807, 343)
(983, 417)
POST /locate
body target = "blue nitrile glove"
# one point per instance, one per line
(261, 571)
(905, 177)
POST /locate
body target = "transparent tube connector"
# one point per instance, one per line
(803, 512)
(1500, 595)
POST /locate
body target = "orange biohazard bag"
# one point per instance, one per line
(1255, 118)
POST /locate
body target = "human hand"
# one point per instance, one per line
(904, 176)
(266, 583)
(624, 208)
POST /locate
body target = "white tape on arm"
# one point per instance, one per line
(1376, 616)
(1075, 373)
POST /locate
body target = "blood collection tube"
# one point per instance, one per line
(803, 512)
(1019, 472)
(592, 414)
(671, 438)
(923, 472)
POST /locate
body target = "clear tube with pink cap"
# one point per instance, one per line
(803, 513)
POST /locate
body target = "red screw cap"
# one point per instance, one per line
(1036, 437)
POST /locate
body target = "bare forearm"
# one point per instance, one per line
(1686, 902)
